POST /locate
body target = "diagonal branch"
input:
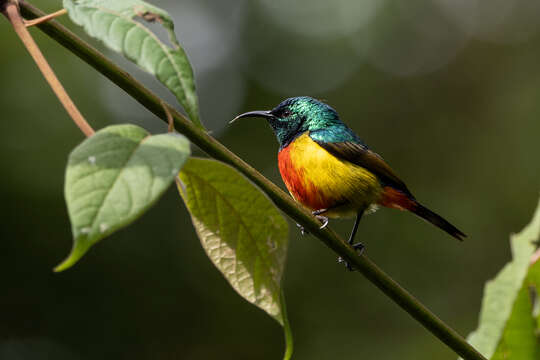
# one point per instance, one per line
(11, 11)
(218, 151)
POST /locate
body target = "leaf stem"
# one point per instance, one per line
(218, 151)
(286, 328)
(11, 11)
(170, 118)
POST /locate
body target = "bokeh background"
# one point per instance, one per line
(446, 90)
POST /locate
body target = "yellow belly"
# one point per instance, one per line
(319, 180)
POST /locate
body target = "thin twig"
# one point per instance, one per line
(218, 151)
(11, 11)
(51, 16)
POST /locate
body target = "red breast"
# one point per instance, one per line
(301, 188)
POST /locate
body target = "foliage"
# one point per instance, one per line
(508, 326)
(240, 229)
(113, 177)
(113, 22)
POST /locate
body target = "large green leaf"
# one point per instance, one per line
(113, 22)
(241, 231)
(507, 325)
(113, 177)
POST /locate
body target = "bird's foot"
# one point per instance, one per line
(303, 231)
(322, 219)
(359, 248)
(319, 212)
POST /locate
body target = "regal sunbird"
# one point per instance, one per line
(331, 171)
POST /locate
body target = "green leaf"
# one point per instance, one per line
(533, 278)
(507, 325)
(240, 229)
(113, 22)
(113, 177)
(520, 338)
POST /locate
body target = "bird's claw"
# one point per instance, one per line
(323, 220)
(303, 231)
(359, 248)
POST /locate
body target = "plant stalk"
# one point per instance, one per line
(11, 11)
(282, 200)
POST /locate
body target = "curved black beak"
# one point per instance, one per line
(260, 113)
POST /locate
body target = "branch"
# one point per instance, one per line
(11, 11)
(218, 151)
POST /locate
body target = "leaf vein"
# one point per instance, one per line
(258, 250)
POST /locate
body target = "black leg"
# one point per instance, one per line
(359, 247)
(355, 227)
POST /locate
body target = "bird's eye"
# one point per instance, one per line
(285, 113)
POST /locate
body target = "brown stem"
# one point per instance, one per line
(11, 11)
(38, 21)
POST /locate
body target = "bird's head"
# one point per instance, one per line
(295, 116)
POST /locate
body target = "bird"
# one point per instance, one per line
(329, 170)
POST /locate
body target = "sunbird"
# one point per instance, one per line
(331, 171)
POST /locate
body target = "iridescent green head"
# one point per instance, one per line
(297, 115)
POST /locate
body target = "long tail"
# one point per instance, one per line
(437, 220)
(399, 200)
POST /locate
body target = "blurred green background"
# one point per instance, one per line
(447, 91)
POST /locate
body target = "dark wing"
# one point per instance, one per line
(360, 155)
